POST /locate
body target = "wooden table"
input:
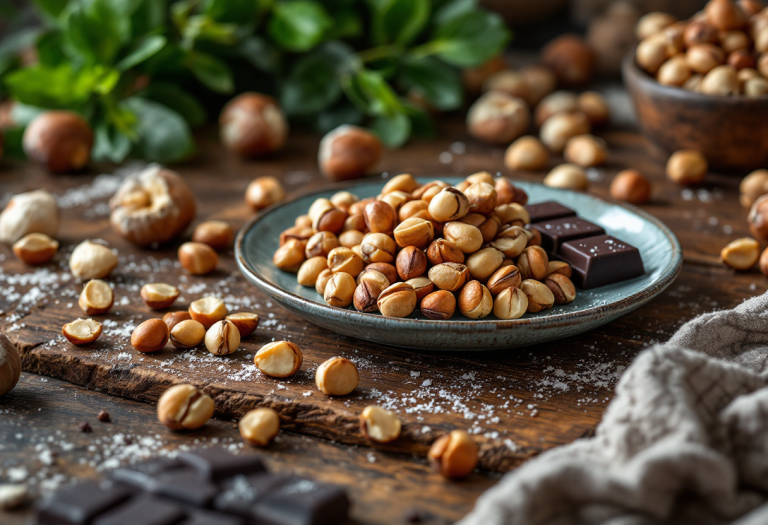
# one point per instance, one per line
(517, 403)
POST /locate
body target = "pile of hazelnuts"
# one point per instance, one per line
(721, 50)
(431, 247)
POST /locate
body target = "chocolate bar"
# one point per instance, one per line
(216, 464)
(142, 510)
(597, 261)
(548, 211)
(556, 232)
(79, 504)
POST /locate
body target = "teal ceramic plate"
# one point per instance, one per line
(658, 246)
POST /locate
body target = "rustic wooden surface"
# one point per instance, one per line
(518, 403)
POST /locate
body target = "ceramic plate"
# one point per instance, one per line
(659, 248)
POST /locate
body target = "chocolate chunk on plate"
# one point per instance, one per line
(304, 502)
(240, 493)
(601, 260)
(78, 504)
(216, 464)
(556, 232)
(548, 211)
(210, 518)
(143, 475)
(143, 510)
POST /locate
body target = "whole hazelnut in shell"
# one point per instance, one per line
(10, 365)
(570, 58)
(348, 152)
(498, 118)
(60, 141)
(253, 125)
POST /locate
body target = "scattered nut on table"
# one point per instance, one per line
(171, 319)
(208, 310)
(246, 322)
(96, 298)
(198, 258)
(631, 186)
(498, 118)
(337, 376)
(150, 336)
(567, 176)
(586, 151)
(10, 365)
(35, 249)
(92, 260)
(187, 334)
(527, 154)
(279, 359)
(253, 125)
(222, 338)
(380, 425)
(30, 212)
(159, 296)
(60, 141)
(348, 152)
(259, 427)
(216, 234)
(263, 192)
(741, 254)
(184, 407)
(454, 455)
(82, 331)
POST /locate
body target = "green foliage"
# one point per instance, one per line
(139, 69)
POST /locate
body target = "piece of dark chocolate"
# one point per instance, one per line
(304, 502)
(598, 261)
(240, 493)
(556, 232)
(211, 518)
(186, 486)
(78, 504)
(143, 475)
(143, 510)
(548, 211)
(216, 464)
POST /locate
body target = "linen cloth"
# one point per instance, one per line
(685, 440)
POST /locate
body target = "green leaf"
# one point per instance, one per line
(399, 21)
(95, 30)
(177, 99)
(233, 11)
(12, 138)
(49, 50)
(212, 72)
(313, 84)
(260, 53)
(147, 48)
(299, 25)
(453, 9)
(346, 24)
(422, 124)
(51, 8)
(163, 134)
(437, 82)
(381, 98)
(109, 144)
(334, 117)
(50, 88)
(148, 17)
(393, 130)
(471, 39)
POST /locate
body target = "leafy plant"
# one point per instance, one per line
(144, 71)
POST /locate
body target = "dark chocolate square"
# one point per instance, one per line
(143, 510)
(548, 211)
(556, 232)
(143, 475)
(216, 464)
(304, 502)
(240, 493)
(211, 518)
(185, 485)
(78, 504)
(598, 261)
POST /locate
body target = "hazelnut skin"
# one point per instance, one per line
(60, 141)
(348, 152)
(631, 186)
(253, 125)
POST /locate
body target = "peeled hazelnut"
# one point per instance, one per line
(404, 182)
(725, 14)
(508, 193)
(378, 247)
(512, 214)
(753, 186)
(653, 23)
(96, 298)
(751, 7)
(159, 296)
(539, 295)
(541, 82)
(91, 260)
(329, 219)
(534, 237)
(594, 106)
(560, 267)
(321, 244)
(475, 301)
(263, 192)
(198, 258)
(454, 456)
(570, 58)
(343, 200)
(763, 264)
(511, 241)
(289, 256)
(498, 118)
(449, 276)
(700, 32)
(303, 221)
(429, 190)
(216, 234)
(30, 212)
(527, 154)
(208, 310)
(722, 80)
(586, 151)
(561, 287)
(533, 263)
(380, 425)
(259, 427)
(652, 52)
(409, 209)
(310, 270)
(741, 59)
(279, 359)
(297, 233)
(350, 238)
(60, 141)
(184, 407)
(340, 290)
(442, 251)
(322, 281)
(503, 278)
(187, 334)
(485, 262)
(375, 278)
(510, 82)
(674, 72)
(411, 263)
(389, 271)
(422, 286)
(171, 319)
(414, 232)
(439, 305)
(687, 167)
(511, 303)
(81, 331)
(348, 152)
(448, 205)
(35, 248)
(366, 296)
(554, 103)
(380, 217)
(253, 125)
(756, 87)
(631, 186)
(560, 128)
(464, 236)
(741, 254)
(150, 336)
(222, 338)
(703, 58)
(337, 376)
(482, 197)
(10, 365)
(398, 300)
(245, 322)
(567, 176)
(344, 260)
(152, 206)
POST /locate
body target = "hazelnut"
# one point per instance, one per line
(398, 300)
(586, 151)
(527, 154)
(198, 258)
(560, 267)
(389, 271)
(722, 80)
(725, 15)
(222, 338)
(366, 296)
(442, 251)
(259, 427)
(187, 334)
(91, 260)
(337, 376)
(498, 118)
(512, 214)
(184, 407)
(310, 270)
(216, 234)
(763, 264)
(756, 87)
(298, 233)
(340, 290)
(482, 197)
(328, 218)
(631, 186)
(303, 221)
(594, 106)
(378, 247)
(35, 248)
(510, 82)
(511, 303)
(159, 296)
(753, 186)
(404, 182)
(439, 305)
(674, 72)
(348, 152)
(279, 359)
(10, 366)
(322, 281)
(208, 310)
(741, 59)
(263, 192)
(321, 244)
(30, 212)
(171, 319)
(508, 193)
(561, 127)
(533, 263)
(422, 286)
(152, 206)
(694, 83)
(376, 278)
(414, 232)
(245, 322)
(411, 263)
(703, 58)
(465, 237)
(653, 23)
(561, 287)
(81, 331)
(751, 7)
(449, 276)
(554, 103)
(409, 209)
(687, 167)
(448, 205)
(570, 58)
(567, 176)
(700, 32)
(474, 77)
(511, 241)
(253, 125)
(488, 226)
(485, 262)
(344, 260)
(541, 82)
(430, 190)
(288, 257)
(454, 456)
(350, 238)
(150, 336)
(503, 278)
(380, 217)
(396, 199)
(652, 52)
(379, 425)
(539, 295)
(60, 141)
(475, 301)
(343, 200)
(96, 298)
(741, 254)
(534, 237)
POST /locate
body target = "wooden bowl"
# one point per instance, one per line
(732, 132)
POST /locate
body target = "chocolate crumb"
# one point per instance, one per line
(85, 427)
(104, 416)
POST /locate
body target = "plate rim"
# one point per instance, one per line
(668, 274)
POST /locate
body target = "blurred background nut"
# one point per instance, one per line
(539, 295)
(96, 298)
(184, 407)
(337, 376)
(722, 80)
(339, 290)
(288, 257)
(483, 263)
(482, 197)
(171, 319)
(586, 151)
(216, 234)
(448, 205)
(253, 125)
(725, 14)
(187, 334)
(571, 59)
(503, 278)
(259, 427)
(741, 254)
(498, 118)
(343, 200)
(561, 287)
(150, 336)
(60, 141)
(246, 322)
(378, 247)
(380, 425)
(568, 177)
(159, 296)
(753, 186)
(465, 237)
(345, 260)
(399, 300)
(263, 192)
(561, 127)
(652, 52)
(758, 218)
(380, 217)
(439, 305)
(526, 154)
(348, 152)
(454, 456)
(322, 281)
(321, 243)
(30, 212)
(366, 297)
(81, 331)
(475, 301)
(200, 259)
(703, 58)
(422, 286)
(310, 270)
(511, 303)
(35, 248)
(631, 186)
(533, 263)
(510, 82)
(763, 263)
(279, 359)
(91, 260)
(594, 106)
(222, 338)
(208, 310)
(700, 32)
(403, 182)
(652, 23)
(442, 251)
(10, 365)
(449, 276)
(411, 263)
(507, 193)
(541, 82)
(687, 167)
(414, 232)
(554, 103)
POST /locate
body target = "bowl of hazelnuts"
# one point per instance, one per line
(702, 83)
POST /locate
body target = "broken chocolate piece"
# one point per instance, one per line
(143, 510)
(78, 504)
(598, 261)
(556, 232)
(216, 464)
(548, 211)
